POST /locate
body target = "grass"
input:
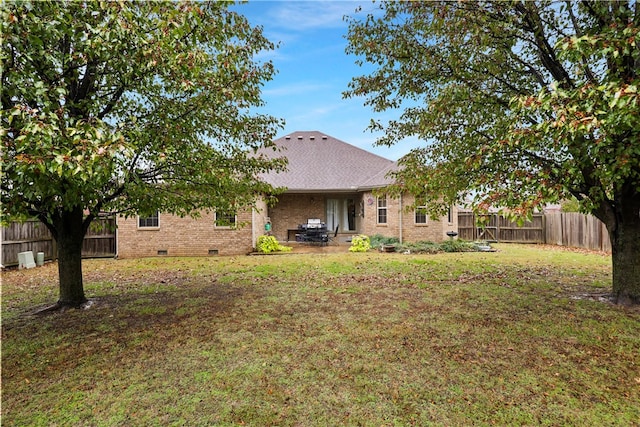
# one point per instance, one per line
(521, 336)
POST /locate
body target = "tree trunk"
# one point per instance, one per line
(625, 255)
(70, 235)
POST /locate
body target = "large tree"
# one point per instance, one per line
(128, 107)
(519, 104)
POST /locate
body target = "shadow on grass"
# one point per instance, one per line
(337, 340)
(122, 315)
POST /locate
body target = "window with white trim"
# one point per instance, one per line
(421, 215)
(152, 221)
(224, 219)
(382, 209)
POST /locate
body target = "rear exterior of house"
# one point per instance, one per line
(358, 213)
(327, 179)
(171, 235)
(334, 181)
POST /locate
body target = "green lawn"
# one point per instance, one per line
(522, 336)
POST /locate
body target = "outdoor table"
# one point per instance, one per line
(312, 233)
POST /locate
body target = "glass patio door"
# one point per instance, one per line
(333, 214)
(341, 212)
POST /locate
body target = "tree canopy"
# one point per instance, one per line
(130, 107)
(518, 103)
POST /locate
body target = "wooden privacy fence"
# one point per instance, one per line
(32, 235)
(564, 229)
(577, 230)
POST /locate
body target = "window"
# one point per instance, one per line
(421, 215)
(152, 221)
(382, 210)
(450, 215)
(225, 219)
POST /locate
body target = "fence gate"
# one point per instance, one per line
(488, 230)
(497, 228)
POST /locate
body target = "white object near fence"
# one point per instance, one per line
(25, 260)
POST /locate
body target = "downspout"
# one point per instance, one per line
(401, 209)
(253, 227)
(116, 236)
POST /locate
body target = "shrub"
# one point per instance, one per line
(458, 246)
(267, 244)
(378, 240)
(360, 243)
(424, 247)
(428, 247)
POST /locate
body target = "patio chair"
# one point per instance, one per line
(330, 237)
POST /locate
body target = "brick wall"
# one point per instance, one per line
(370, 224)
(411, 232)
(435, 231)
(294, 209)
(184, 236)
(197, 237)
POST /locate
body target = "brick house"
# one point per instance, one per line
(326, 179)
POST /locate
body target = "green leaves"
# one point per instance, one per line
(519, 104)
(128, 106)
(360, 243)
(597, 122)
(268, 244)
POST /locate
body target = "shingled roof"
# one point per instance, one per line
(321, 163)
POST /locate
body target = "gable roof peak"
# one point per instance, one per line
(311, 135)
(318, 162)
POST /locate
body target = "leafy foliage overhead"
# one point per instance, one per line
(131, 107)
(519, 103)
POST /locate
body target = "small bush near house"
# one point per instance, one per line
(424, 247)
(428, 247)
(360, 243)
(267, 244)
(458, 246)
(378, 240)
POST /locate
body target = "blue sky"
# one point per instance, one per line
(314, 70)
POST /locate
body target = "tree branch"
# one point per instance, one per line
(590, 7)
(533, 24)
(576, 27)
(112, 102)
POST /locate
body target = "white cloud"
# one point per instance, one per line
(298, 89)
(313, 71)
(297, 16)
(316, 114)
